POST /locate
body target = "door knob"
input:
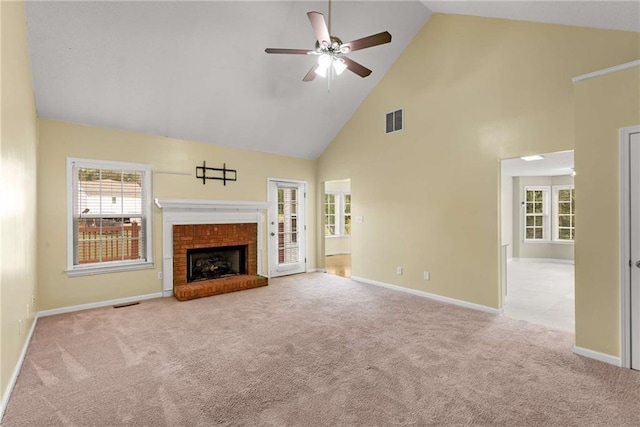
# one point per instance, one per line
(638, 264)
(273, 234)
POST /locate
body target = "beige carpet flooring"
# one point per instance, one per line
(312, 350)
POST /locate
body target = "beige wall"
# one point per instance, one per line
(18, 170)
(474, 90)
(61, 140)
(522, 249)
(603, 106)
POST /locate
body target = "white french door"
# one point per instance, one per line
(287, 227)
(633, 302)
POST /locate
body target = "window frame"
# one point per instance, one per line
(546, 218)
(339, 202)
(108, 266)
(336, 229)
(556, 213)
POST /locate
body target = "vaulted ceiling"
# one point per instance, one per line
(198, 70)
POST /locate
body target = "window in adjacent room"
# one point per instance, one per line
(536, 214)
(564, 213)
(347, 213)
(330, 214)
(337, 213)
(109, 206)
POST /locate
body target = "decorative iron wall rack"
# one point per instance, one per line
(204, 173)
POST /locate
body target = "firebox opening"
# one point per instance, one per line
(215, 263)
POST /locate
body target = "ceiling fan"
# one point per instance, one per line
(331, 51)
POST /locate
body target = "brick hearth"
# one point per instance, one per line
(211, 235)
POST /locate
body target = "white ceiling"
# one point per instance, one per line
(552, 164)
(198, 71)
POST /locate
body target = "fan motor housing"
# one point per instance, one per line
(334, 47)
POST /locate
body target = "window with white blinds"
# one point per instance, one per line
(109, 216)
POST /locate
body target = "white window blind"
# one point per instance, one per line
(110, 214)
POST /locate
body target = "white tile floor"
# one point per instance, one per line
(541, 292)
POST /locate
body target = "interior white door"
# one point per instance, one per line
(287, 228)
(634, 187)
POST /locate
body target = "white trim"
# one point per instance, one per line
(16, 370)
(99, 304)
(204, 211)
(430, 296)
(606, 71)
(551, 260)
(102, 269)
(602, 357)
(625, 243)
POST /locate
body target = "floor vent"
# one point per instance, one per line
(127, 304)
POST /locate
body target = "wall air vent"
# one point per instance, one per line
(394, 121)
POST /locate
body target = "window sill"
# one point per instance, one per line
(104, 269)
(555, 242)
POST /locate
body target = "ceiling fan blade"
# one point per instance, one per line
(352, 65)
(311, 74)
(369, 41)
(319, 27)
(289, 51)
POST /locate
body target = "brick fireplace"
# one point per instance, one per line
(196, 224)
(216, 240)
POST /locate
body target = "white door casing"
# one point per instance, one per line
(286, 227)
(630, 246)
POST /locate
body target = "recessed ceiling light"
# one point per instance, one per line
(532, 158)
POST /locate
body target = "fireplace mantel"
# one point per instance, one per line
(212, 205)
(203, 211)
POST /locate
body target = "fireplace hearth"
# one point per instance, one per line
(216, 262)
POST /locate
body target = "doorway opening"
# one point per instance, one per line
(538, 232)
(337, 227)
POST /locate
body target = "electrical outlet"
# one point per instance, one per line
(33, 300)
(399, 271)
(160, 276)
(427, 276)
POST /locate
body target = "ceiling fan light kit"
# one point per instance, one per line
(331, 51)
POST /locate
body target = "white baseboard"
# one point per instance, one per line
(337, 253)
(16, 370)
(99, 304)
(552, 260)
(430, 296)
(602, 357)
